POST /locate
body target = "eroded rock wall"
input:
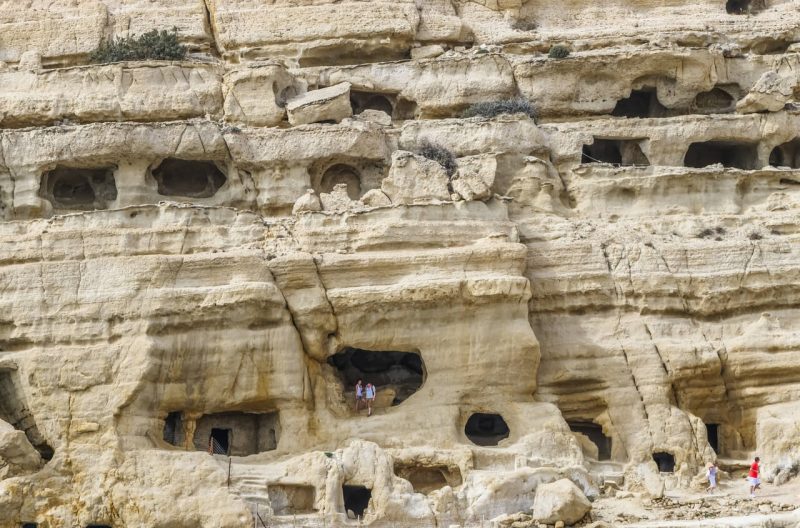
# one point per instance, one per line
(603, 291)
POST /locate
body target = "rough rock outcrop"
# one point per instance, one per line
(200, 258)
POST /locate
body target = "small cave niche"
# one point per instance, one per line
(291, 499)
(731, 154)
(712, 432)
(641, 103)
(98, 526)
(743, 7)
(486, 429)
(284, 95)
(406, 109)
(226, 433)
(786, 155)
(715, 101)
(425, 479)
(594, 433)
(664, 461)
(356, 499)
(79, 188)
(341, 173)
(396, 374)
(28, 525)
(14, 410)
(619, 152)
(361, 101)
(188, 178)
(219, 441)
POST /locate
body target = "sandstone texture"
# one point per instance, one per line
(565, 317)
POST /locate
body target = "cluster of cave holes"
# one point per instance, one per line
(14, 410)
(486, 429)
(227, 433)
(356, 499)
(79, 188)
(291, 499)
(619, 152)
(401, 374)
(732, 154)
(188, 178)
(644, 103)
(426, 479)
(594, 433)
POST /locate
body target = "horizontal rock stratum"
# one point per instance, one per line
(591, 283)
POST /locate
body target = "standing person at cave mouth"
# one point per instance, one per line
(370, 398)
(359, 394)
(753, 479)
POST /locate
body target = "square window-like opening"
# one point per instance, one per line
(220, 441)
(356, 499)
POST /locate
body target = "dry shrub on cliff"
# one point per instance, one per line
(153, 45)
(440, 155)
(496, 108)
(558, 52)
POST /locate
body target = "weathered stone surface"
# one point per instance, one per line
(326, 104)
(560, 501)
(414, 179)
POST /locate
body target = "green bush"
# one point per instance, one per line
(496, 108)
(558, 52)
(440, 155)
(153, 45)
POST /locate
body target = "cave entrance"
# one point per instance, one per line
(619, 152)
(642, 103)
(188, 178)
(665, 462)
(425, 479)
(371, 101)
(396, 375)
(79, 188)
(594, 433)
(172, 428)
(712, 432)
(227, 433)
(220, 441)
(341, 173)
(715, 101)
(743, 7)
(14, 410)
(486, 429)
(356, 499)
(291, 499)
(29, 525)
(731, 154)
(786, 155)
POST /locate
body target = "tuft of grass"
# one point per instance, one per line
(153, 45)
(524, 25)
(558, 52)
(496, 108)
(755, 236)
(439, 154)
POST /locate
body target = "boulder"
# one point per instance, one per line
(415, 179)
(561, 500)
(378, 117)
(17, 455)
(475, 177)
(326, 104)
(337, 200)
(375, 198)
(309, 202)
(769, 94)
(246, 101)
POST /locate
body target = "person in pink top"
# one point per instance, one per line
(359, 394)
(753, 479)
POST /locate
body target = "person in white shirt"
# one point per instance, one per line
(370, 398)
(359, 394)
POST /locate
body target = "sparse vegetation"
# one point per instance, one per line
(496, 108)
(153, 45)
(755, 236)
(712, 232)
(559, 52)
(439, 154)
(524, 25)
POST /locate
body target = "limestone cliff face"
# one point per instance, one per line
(606, 292)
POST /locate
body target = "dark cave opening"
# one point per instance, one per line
(731, 154)
(356, 499)
(341, 173)
(79, 188)
(664, 461)
(188, 178)
(486, 429)
(403, 373)
(594, 432)
(642, 103)
(620, 152)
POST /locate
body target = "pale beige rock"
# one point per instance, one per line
(309, 202)
(16, 452)
(337, 200)
(326, 104)
(560, 501)
(414, 179)
(770, 93)
(475, 177)
(375, 198)
(258, 95)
